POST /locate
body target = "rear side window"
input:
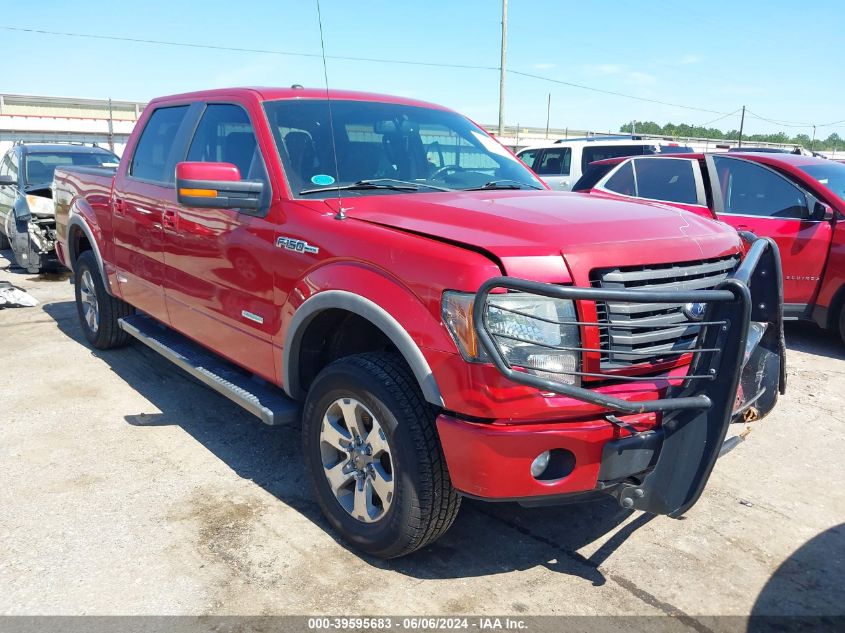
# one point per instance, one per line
(153, 158)
(750, 189)
(554, 162)
(622, 181)
(668, 179)
(600, 152)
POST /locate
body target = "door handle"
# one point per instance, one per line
(119, 206)
(170, 220)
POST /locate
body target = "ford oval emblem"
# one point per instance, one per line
(695, 311)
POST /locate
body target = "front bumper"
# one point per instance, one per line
(660, 457)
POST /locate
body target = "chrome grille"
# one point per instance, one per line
(649, 332)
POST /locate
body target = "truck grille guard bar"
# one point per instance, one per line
(729, 377)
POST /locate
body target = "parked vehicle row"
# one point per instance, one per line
(561, 163)
(797, 200)
(27, 220)
(443, 325)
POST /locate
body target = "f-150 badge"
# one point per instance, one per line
(300, 246)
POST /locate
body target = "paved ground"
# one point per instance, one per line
(128, 488)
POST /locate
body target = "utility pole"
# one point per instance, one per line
(548, 113)
(502, 67)
(813, 142)
(633, 128)
(111, 128)
(741, 125)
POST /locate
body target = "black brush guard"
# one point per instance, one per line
(663, 471)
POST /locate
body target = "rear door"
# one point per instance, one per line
(219, 262)
(554, 165)
(753, 197)
(140, 191)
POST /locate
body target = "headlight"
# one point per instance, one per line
(527, 329)
(39, 205)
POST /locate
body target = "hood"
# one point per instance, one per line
(512, 225)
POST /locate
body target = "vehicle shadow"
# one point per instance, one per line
(487, 538)
(807, 591)
(808, 337)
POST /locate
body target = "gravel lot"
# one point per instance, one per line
(128, 488)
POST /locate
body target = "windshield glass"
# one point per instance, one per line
(424, 148)
(41, 165)
(831, 175)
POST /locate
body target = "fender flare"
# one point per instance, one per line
(76, 220)
(372, 312)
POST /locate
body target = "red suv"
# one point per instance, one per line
(798, 201)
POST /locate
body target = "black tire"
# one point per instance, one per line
(423, 504)
(107, 333)
(842, 322)
(4, 242)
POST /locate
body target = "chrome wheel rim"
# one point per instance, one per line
(356, 460)
(88, 298)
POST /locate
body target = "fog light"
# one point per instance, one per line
(540, 463)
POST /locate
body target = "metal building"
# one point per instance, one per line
(35, 118)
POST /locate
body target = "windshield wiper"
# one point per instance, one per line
(412, 183)
(503, 184)
(362, 185)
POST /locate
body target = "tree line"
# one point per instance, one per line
(696, 131)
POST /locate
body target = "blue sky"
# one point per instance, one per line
(782, 59)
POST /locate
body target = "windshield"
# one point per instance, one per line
(41, 165)
(831, 175)
(424, 148)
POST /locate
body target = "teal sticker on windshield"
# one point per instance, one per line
(322, 179)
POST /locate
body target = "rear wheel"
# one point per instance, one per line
(372, 451)
(98, 311)
(842, 322)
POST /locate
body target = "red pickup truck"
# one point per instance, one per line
(798, 201)
(383, 273)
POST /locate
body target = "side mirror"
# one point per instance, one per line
(7, 180)
(216, 185)
(821, 212)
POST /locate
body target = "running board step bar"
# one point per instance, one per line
(262, 399)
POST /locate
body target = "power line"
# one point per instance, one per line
(235, 49)
(778, 122)
(612, 92)
(719, 118)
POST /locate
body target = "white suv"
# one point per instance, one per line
(561, 163)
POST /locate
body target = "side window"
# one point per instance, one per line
(554, 162)
(528, 157)
(750, 189)
(153, 158)
(225, 135)
(622, 181)
(4, 166)
(669, 179)
(13, 165)
(600, 152)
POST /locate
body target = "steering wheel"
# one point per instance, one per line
(445, 171)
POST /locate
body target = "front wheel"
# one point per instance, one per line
(372, 451)
(98, 311)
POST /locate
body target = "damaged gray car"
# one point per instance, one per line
(27, 220)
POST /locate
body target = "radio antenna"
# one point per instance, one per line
(341, 214)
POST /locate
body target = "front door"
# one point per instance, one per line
(752, 197)
(139, 195)
(219, 281)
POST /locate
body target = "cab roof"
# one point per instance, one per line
(61, 148)
(275, 93)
